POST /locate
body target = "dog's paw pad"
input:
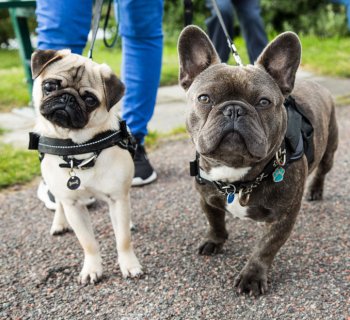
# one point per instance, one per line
(210, 248)
(315, 195)
(134, 272)
(91, 272)
(59, 229)
(92, 277)
(251, 284)
(129, 265)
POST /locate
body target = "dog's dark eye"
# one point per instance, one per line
(264, 102)
(204, 98)
(90, 101)
(50, 87)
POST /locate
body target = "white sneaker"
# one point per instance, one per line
(48, 198)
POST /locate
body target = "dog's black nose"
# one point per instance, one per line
(233, 111)
(67, 99)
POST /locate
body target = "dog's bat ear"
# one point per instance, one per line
(113, 89)
(42, 58)
(196, 53)
(281, 59)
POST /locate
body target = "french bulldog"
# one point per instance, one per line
(237, 122)
(74, 99)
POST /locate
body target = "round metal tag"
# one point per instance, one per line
(73, 183)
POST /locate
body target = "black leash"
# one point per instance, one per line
(229, 41)
(114, 41)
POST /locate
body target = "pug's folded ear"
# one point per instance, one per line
(281, 59)
(42, 58)
(113, 89)
(196, 53)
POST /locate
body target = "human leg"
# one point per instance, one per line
(63, 24)
(140, 27)
(215, 31)
(248, 12)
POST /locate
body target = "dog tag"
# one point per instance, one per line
(230, 198)
(278, 174)
(73, 183)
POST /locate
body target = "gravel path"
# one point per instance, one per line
(310, 278)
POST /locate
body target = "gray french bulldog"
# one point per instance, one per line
(238, 123)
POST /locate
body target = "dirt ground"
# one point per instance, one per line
(310, 278)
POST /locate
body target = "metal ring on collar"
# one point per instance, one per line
(243, 198)
(281, 157)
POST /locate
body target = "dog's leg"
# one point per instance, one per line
(326, 163)
(119, 210)
(253, 278)
(59, 223)
(79, 219)
(217, 233)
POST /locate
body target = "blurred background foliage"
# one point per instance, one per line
(306, 17)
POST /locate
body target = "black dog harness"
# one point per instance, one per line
(297, 142)
(66, 149)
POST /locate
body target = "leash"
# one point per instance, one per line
(230, 43)
(95, 24)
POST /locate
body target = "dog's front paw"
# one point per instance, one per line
(129, 265)
(315, 194)
(209, 248)
(92, 270)
(252, 280)
(59, 228)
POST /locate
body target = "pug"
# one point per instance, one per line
(75, 100)
(253, 159)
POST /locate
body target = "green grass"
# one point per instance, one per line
(343, 100)
(329, 56)
(154, 138)
(17, 166)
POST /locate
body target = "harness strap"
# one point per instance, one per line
(66, 147)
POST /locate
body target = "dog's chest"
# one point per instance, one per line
(227, 174)
(237, 210)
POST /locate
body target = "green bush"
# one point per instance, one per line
(308, 17)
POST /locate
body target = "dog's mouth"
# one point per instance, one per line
(64, 111)
(247, 140)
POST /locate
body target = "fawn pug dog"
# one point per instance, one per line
(74, 98)
(239, 125)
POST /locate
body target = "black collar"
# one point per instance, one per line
(66, 147)
(297, 141)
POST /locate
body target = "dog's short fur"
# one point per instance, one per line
(74, 99)
(237, 122)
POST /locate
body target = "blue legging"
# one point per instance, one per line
(66, 24)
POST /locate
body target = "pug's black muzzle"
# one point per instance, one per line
(65, 111)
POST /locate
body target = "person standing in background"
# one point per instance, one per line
(251, 23)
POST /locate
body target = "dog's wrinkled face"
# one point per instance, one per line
(70, 89)
(237, 116)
